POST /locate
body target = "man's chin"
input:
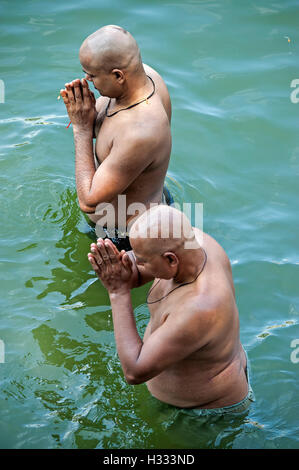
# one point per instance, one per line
(97, 90)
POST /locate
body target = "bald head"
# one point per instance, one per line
(111, 47)
(161, 229)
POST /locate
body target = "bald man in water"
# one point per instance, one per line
(130, 121)
(190, 355)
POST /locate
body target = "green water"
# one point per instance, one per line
(228, 66)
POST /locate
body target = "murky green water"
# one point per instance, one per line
(228, 66)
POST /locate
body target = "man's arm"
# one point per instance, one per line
(132, 151)
(179, 336)
(101, 103)
(129, 156)
(184, 332)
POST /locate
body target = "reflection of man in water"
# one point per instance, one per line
(130, 121)
(191, 355)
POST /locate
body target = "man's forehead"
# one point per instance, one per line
(137, 249)
(88, 59)
(85, 52)
(89, 68)
(145, 248)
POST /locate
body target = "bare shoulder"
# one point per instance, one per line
(101, 104)
(220, 293)
(193, 320)
(161, 88)
(205, 316)
(216, 251)
(142, 130)
(197, 308)
(141, 136)
(153, 73)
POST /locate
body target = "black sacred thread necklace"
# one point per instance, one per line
(132, 105)
(184, 283)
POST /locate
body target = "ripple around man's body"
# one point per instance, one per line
(234, 150)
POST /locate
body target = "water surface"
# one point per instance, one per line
(228, 66)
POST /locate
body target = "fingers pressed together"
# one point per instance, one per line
(103, 254)
(76, 92)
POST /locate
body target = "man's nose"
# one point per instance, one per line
(87, 77)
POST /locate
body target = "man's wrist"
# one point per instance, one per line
(82, 131)
(116, 294)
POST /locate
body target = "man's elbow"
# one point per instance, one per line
(132, 380)
(86, 208)
(90, 204)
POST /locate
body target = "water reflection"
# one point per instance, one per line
(73, 270)
(182, 430)
(88, 394)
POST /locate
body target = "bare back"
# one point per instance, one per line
(151, 120)
(212, 376)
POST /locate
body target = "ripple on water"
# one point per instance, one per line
(235, 149)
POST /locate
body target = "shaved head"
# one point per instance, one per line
(111, 47)
(161, 229)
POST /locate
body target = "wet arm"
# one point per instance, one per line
(84, 165)
(170, 343)
(128, 341)
(183, 332)
(127, 159)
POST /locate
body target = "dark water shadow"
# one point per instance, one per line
(72, 270)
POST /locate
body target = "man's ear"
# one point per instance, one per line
(119, 75)
(171, 258)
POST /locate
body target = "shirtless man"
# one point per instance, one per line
(131, 123)
(191, 355)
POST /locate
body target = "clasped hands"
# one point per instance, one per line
(80, 104)
(113, 268)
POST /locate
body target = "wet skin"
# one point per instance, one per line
(190, 355)
(132, 147)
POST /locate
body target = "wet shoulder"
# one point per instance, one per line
(219, 288)
(161, 88)
(213, 249)
(101, 105)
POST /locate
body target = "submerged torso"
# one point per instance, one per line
(214, 376)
